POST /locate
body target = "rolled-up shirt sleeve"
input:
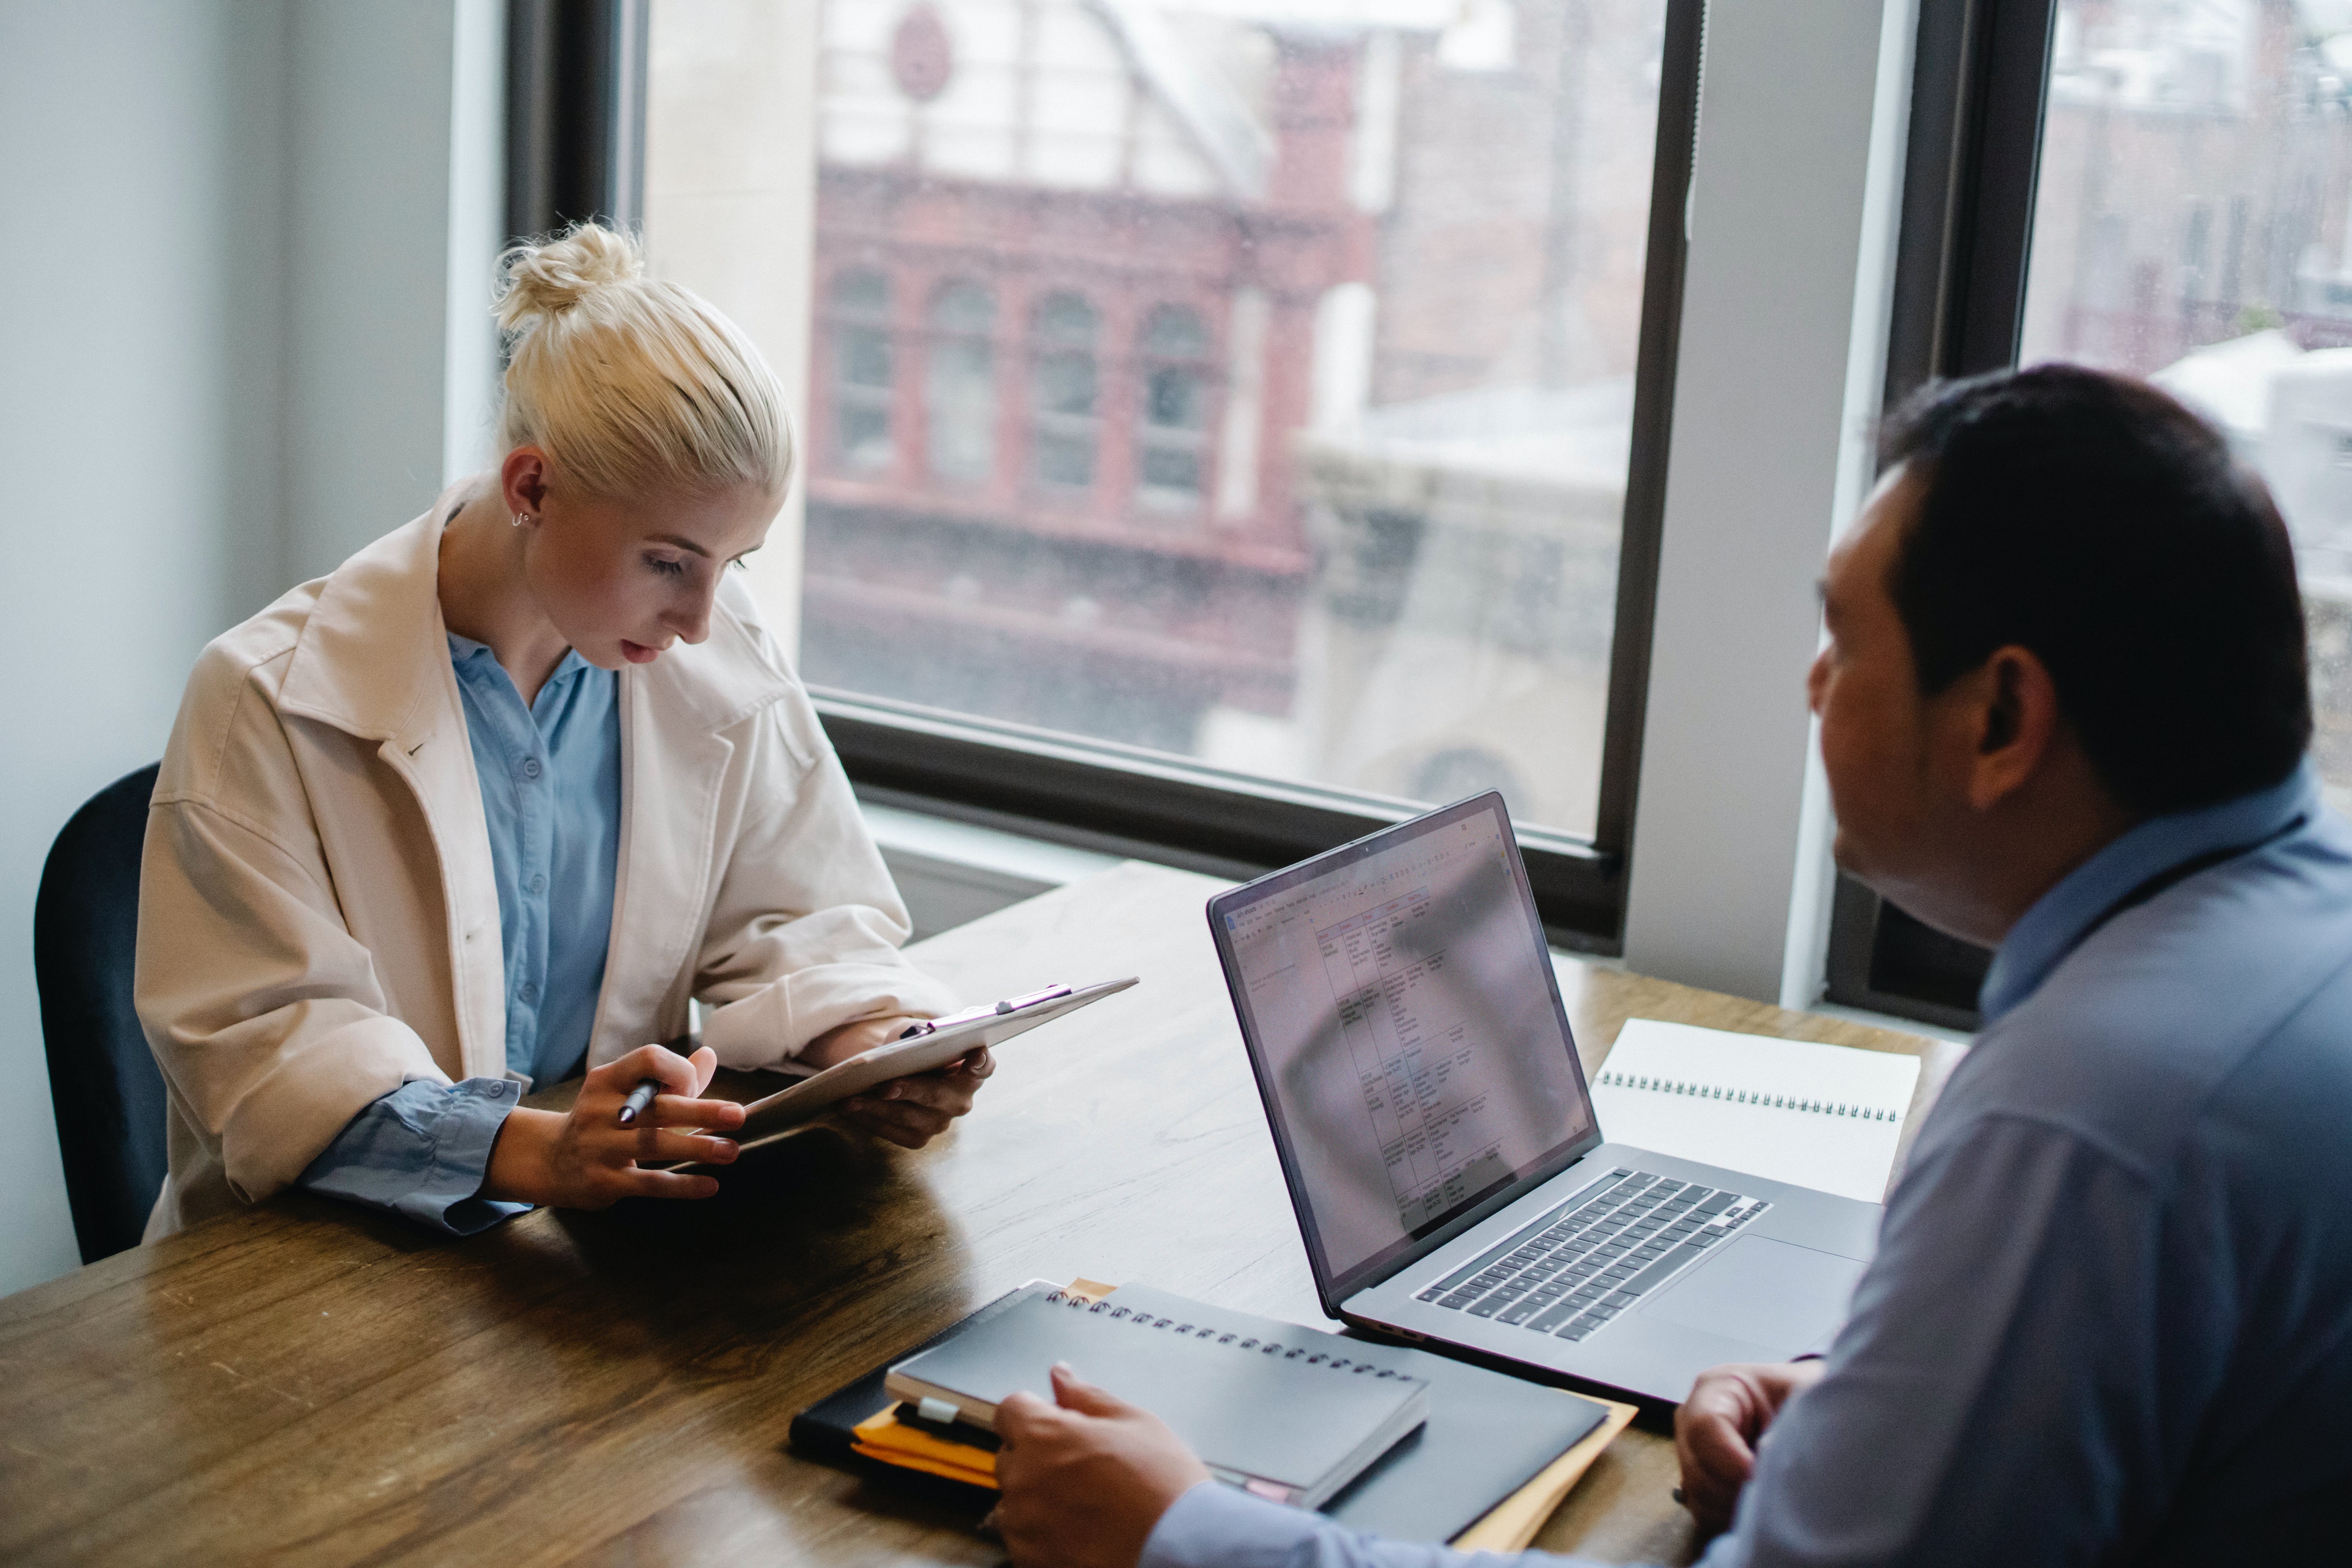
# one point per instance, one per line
(422, 1151)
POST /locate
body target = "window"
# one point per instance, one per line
(861, 369)
(1252, 416)
(2190, 226)
(1066, 435)
(960, 386)
(2157, 188)
(1172, 445)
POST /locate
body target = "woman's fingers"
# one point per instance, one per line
(942, 1094)
(660, 1146)
(641, 1183)
(675, 1111)
(610, 1084)
(913, 1115)
(907, 1126)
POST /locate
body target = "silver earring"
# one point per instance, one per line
(521, 517)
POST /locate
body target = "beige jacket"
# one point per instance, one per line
(316, 919)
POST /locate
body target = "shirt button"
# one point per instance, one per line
(529, 993)
(530, 768)
(538, 884)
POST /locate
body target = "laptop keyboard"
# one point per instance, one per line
(1572, 1272)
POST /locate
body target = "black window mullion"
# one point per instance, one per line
(1653, 413)
(575, 113)
(1979, 81)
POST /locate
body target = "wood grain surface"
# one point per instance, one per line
(312, 1383)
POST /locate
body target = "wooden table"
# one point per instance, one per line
(307, 1382)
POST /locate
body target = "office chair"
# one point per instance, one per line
(103, 1081)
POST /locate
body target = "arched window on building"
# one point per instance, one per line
(1064, 432)
(1172, 444)
(861, 368)
(959, 389)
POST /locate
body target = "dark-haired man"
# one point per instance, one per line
(2064, 710)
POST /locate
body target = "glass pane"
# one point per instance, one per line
(959, 393)
(1171, 468)
(1175, 399)
(1176, 333)
(1065, 459)
(2190, 226)
(1320, 317)
(1065, 320)
(862, 294)
(865, 356)
(1064, 383)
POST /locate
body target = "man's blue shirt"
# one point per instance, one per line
(2110, 1318)
(550, 782)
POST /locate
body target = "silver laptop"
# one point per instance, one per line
(1451, 1178)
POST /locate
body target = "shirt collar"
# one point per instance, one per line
(464, 648)
(2064, 915)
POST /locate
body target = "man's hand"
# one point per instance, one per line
(587, 1160)
(908, 1112)
(1718, 1427)
(1087, 1478)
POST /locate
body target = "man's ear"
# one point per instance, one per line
(2018, 715)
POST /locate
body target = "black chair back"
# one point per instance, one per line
(103, 1081)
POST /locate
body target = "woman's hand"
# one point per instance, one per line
(908, 1112)
(1717, 1429)
(587, 1160)
(1086, 1477)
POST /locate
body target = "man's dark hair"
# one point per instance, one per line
(2093, 521)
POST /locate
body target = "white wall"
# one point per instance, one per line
(380, 306)
(230, 357)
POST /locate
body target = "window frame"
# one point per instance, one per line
(576, 115)
(1979, 91)
(1106, 795)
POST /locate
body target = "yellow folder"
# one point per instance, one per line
(1508, 1526)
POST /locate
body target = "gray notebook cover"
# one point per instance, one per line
(1264, 1407)
(1488, 1434)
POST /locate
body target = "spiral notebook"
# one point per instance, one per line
(1825, 1117)
(1288, 1422)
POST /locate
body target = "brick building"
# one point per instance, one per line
(1136, 321)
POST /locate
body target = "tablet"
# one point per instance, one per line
(942, 1041)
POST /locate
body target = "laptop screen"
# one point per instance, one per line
(1406, 1026)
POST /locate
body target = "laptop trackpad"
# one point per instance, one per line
(1766, 1292)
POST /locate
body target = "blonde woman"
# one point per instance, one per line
(488, 805)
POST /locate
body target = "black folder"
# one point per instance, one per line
(1488, 1434)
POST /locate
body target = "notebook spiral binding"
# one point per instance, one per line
(1746, 1097)
(1105, 1308)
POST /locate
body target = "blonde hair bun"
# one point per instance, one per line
(536, 281)
(630, 383)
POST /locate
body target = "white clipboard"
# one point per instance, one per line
(942, 1041)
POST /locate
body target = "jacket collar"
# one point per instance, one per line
(373, 659)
